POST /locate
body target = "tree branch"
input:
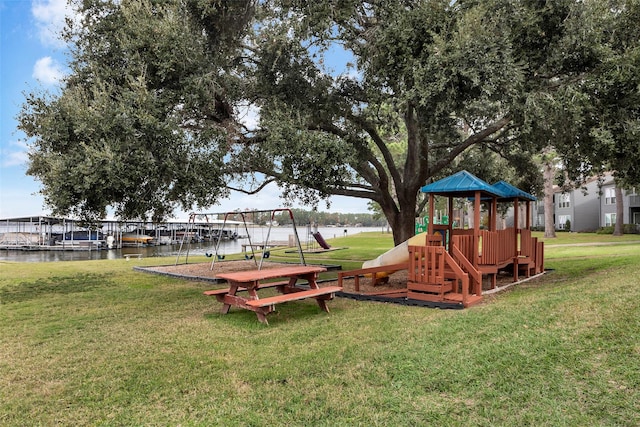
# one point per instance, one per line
(257, 190)
(363, 168)
(473, 139)
(358, 190)
(380, 144)
(415, 155)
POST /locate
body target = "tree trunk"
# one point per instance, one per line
(548, 174)
(618, 230)
(405, 227)
(402, 223)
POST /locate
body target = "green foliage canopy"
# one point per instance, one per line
(149, 116)
(141, 121)
(449, 79)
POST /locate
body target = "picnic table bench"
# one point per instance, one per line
(253, 280)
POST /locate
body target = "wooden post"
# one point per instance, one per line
(516, 227)
(516, 223)
(431, 209)
(493, 220)
(476, 214)
(476, 225)
(476, 233)
(447, 243)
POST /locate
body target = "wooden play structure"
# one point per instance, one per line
(451, 264)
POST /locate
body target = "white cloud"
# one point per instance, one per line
(50, 19)
(47, 71)
(17, 156)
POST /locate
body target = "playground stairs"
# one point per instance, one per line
(434, 275)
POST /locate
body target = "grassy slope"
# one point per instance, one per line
(86, 343)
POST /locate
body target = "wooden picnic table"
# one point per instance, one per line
(253, 280)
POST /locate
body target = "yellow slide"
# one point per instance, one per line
(396, 255)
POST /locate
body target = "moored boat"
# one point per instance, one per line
(81, 238)
(135, 238)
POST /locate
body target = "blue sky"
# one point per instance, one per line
(33, 58)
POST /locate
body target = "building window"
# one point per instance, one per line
(609, 219)
(562, 221)
(610, 196)
(564, 200)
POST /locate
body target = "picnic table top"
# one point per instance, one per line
(271, 273)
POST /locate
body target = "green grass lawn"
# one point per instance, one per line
(563, 238)
(96, 343)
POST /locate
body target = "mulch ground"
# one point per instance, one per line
(396, 281)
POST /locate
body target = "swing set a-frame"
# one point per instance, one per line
(217, 256)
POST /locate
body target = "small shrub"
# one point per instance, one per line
(605, 230)
(626, 229)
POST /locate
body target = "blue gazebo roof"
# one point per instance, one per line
(461, 184)
(511, 192)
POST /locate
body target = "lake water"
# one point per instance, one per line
(257, 235)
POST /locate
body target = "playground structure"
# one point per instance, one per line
(250, 253)
(447, 264)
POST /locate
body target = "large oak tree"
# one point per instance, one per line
(149, 116)
(450, 77)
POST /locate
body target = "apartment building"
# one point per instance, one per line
(630, 201)
(590, 207)
(578, 209)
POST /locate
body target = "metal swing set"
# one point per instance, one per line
(217, 256)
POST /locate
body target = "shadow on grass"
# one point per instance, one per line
(581, 268)
(26, 291)
(294, 312)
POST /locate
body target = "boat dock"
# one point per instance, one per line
(44, 233)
